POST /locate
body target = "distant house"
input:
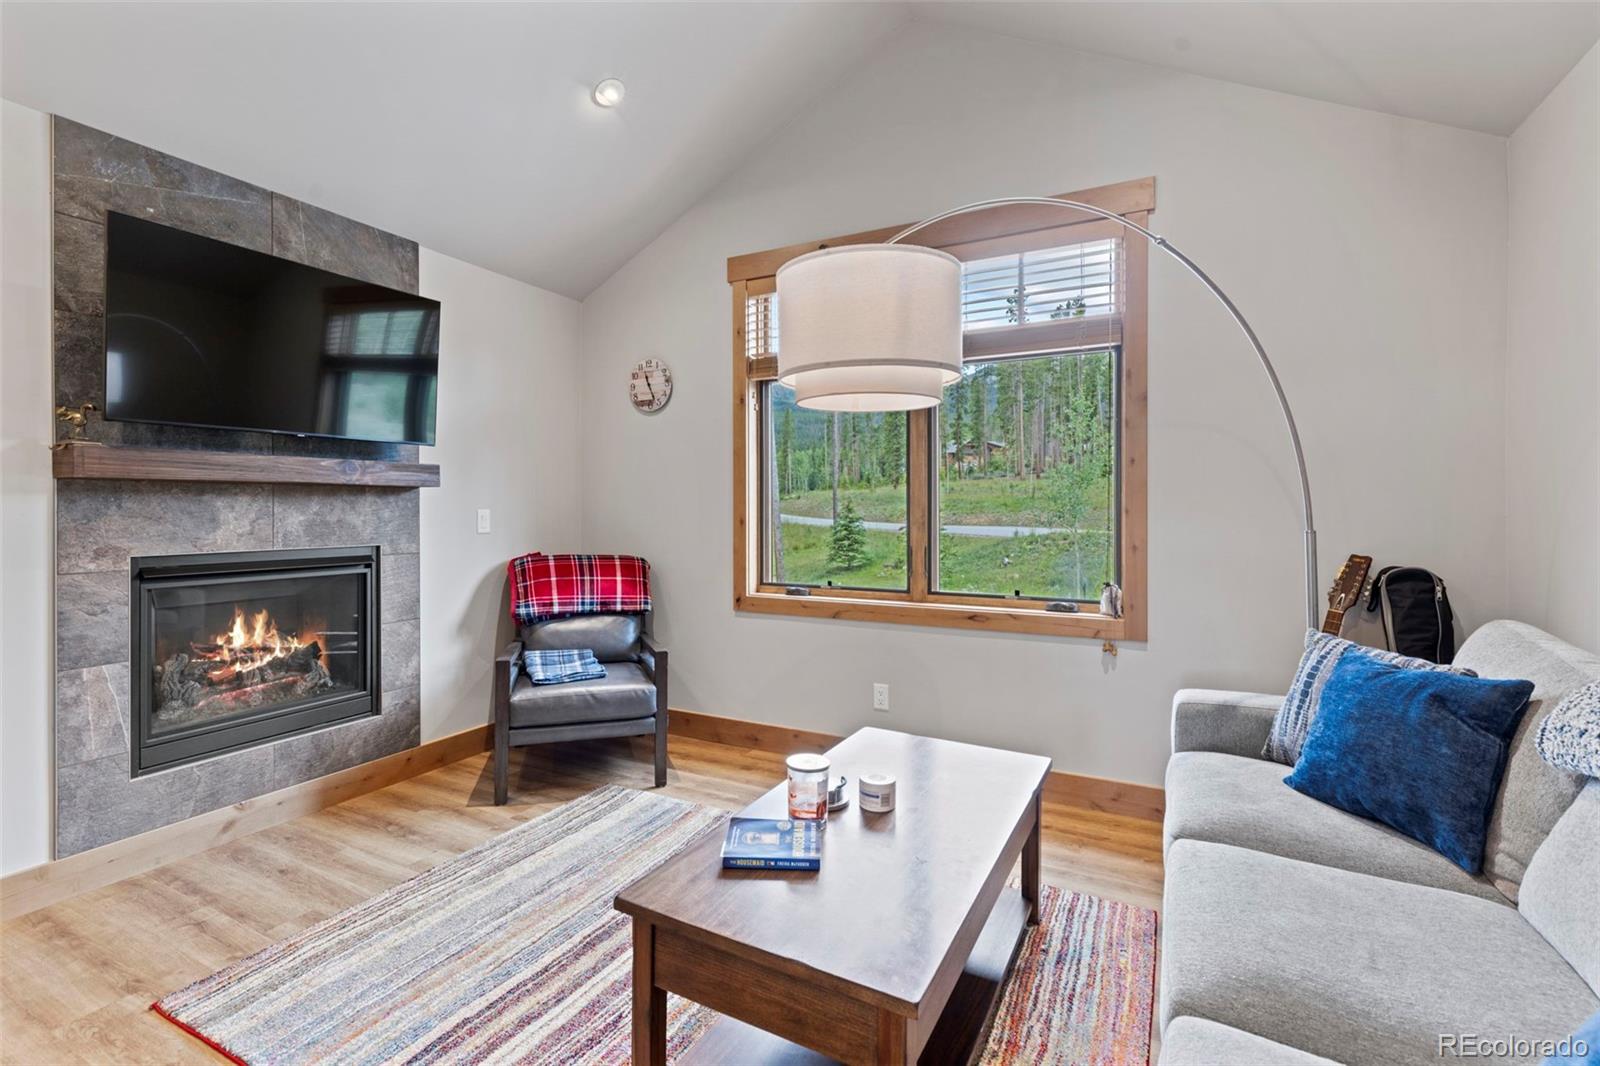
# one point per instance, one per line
(968, 456)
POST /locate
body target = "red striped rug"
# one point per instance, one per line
(512, 953)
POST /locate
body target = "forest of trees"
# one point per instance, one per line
(1022, 418)
(870, 447)
(1026, 459)
(1025, 444)
(1027, 417)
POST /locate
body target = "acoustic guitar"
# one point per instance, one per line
(1348, 584)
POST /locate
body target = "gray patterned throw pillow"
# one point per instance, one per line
(1323, 652)
(1569, 736)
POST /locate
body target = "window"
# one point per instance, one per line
(836, 496)
(1026, 499)
(379, 378)
(1007, 506)
(375, 405)
(834, 493)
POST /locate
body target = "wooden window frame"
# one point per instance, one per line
(967, 236)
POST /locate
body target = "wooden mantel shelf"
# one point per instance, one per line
(172, 464)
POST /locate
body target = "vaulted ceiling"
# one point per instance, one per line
(1480, 66)
(469, 126)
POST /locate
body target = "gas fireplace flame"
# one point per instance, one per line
(247, 645)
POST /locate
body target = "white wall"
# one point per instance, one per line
(1552, 380)
(1368, 250)
(27, 492)
(508, 419)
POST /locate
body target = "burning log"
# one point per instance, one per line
(251, 664)
(228, 651)
(228, 701)
(185, 682)
(298, 661)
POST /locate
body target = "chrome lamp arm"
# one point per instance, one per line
(1239, 320)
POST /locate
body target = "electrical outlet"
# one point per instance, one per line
(483, 520)
(880, 697)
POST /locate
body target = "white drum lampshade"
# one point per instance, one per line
(870, 327)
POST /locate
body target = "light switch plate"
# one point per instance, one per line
(483, 520)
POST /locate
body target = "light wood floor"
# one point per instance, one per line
(77, 978)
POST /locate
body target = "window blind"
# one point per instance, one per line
(1075, 280)
(1060, 298)
(761, 325)
(381, 332)
(761, 335)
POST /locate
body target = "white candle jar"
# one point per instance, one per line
(876, 792)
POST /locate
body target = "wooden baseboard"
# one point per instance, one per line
(738, 733)
(1107, 795)
(39, 886)
(1074, 790)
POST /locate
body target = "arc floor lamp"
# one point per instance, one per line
(877, 327)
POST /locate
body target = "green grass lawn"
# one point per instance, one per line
(1034, 565)
(991, 501)
(882, 503)
(805, 558)
(1038, 566)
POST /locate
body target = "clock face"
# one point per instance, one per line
(650, 385)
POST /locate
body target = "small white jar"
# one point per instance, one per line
(876, 792)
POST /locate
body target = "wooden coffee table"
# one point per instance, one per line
(891, 953)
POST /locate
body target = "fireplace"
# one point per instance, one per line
(235, 649)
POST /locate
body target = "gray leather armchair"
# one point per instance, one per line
(631, 700)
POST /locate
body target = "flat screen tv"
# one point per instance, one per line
(200, 332)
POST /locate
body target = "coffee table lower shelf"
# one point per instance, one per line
(954, 1039)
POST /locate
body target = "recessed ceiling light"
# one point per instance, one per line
(608, 93)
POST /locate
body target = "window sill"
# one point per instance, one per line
(995, 619)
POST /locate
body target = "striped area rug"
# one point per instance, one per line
(1082, 989)
(509, 953)
(512, 953)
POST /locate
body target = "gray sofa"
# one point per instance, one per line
(1293, 932)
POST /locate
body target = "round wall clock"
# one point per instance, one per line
(650, 385)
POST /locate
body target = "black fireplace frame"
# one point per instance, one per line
(235, 733)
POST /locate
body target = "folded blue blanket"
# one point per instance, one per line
(555, 667)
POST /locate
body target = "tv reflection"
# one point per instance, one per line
(379, 373)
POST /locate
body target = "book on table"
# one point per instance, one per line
(772, 844)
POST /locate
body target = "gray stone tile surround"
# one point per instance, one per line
(101, 524)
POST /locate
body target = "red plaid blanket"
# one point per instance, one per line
(549, 586)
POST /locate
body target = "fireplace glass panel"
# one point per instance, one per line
(233, 649)
(240, 648)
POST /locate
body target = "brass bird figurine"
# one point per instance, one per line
(76, 418)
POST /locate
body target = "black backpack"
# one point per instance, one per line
(1417, 619)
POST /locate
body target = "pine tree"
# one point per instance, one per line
(883, 459)
(977, 416)
(785, 439)
(894, 448)
(847, 548)
(1075, 481)
(956, 397)
(833, 457)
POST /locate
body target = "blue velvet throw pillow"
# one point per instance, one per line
(1582, 1048)
(1421, 751)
